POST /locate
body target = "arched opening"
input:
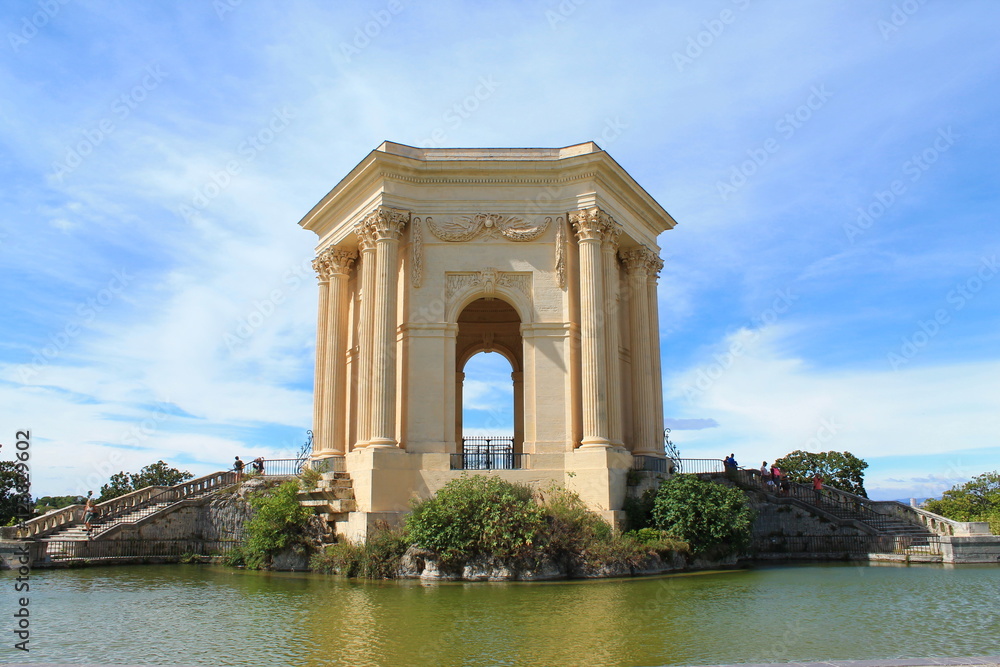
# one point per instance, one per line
(489, 422)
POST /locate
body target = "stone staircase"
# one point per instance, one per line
(894, 534)
(332, 498)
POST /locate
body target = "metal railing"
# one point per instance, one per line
(847, 544)
(141, 504)
(488, 453)
(699, 466)
(644, 463)
(274, 467)
(839, 503)
(65, 550)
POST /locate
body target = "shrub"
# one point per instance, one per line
(639, 511)
(278, 523)
(309, 478)
(477, 515)
(713, 519)
(377, 558)
(570, 526)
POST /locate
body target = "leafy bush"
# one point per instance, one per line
(713, 519)
(477, 515)
(639, 511)
(278, 523)
(309, 478)
(376, 558)
(570, 526)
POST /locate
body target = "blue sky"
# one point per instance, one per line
(831, 284)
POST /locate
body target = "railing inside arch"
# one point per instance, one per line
(487, 453)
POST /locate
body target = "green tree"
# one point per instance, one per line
(155, 474)
(976, 500)
(49, 503)
(13, 486)
(715, 520)
(841, 470)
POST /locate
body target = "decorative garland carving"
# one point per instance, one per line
(560, 253)
(489, 279)
(416, 252)
(491, 225)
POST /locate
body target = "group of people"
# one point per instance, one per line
(774, 479)
(257, 464)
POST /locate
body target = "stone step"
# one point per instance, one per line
(341, 493)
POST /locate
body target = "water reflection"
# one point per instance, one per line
(214, 616)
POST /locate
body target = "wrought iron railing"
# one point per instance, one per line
(848, 544)
(839, 503)
(699, 466)
(659, 464)
(488, 453)
(109, 550)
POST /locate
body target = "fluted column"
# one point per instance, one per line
(459, 387)
(338, 263)
(518, 378)
(366, 244)
(322, 274)
(588, 226)
(387, 227)
(636, 261)
(609, 250)
(655, 265)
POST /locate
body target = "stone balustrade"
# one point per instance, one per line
(935, 523)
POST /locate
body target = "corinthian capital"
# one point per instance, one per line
(386, 223)
(590, 224)
(641, 260)
(333, 261)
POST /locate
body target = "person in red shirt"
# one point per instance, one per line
(818, 486)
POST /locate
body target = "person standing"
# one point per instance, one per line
(818, 487)
(238, 467)
(88, 513)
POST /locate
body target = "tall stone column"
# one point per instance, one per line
(609, 251)
(589, 227)
(459, 387)
(387, 228)
(338, 263)
(366, 244)
(322, 274)
(655, 265)
(636, 261)
(518, 378)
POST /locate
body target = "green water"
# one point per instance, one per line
(208, 615)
